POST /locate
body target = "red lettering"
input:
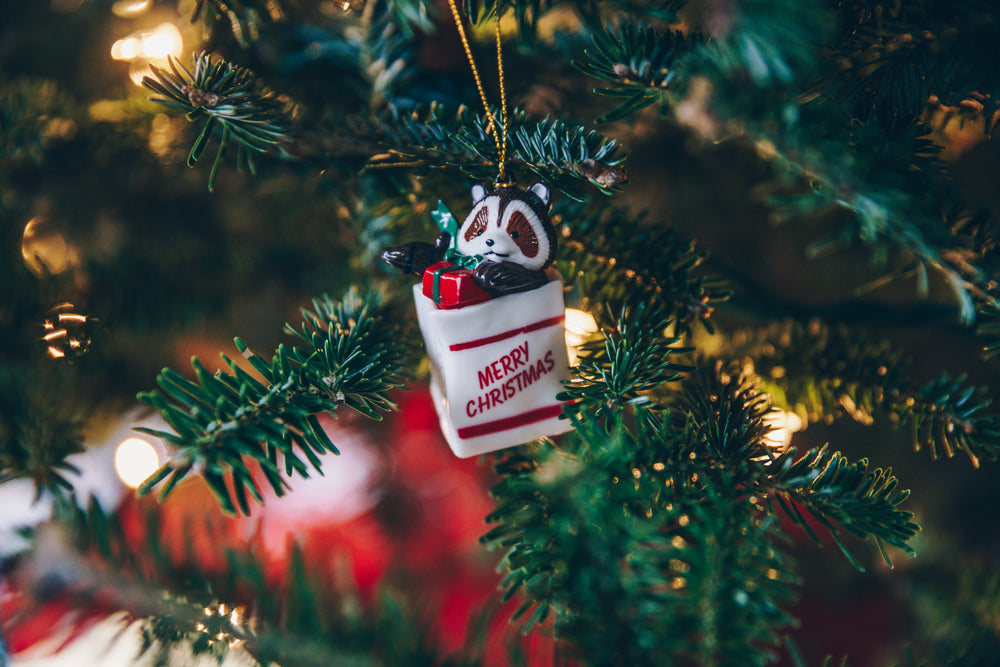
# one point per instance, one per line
(470, 408)
(484, 403)
(486, 378)
(506, 362)
(508, 390)
(531, 374)
(540, 368)
(495, 396)
(549, 363)
(519, 378)
(505, 365)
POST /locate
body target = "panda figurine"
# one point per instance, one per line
(508, 227)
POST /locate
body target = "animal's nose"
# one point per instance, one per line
(489, 242)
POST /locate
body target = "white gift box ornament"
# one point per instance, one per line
(496, 367)
(492, 320)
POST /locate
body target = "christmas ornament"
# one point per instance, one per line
(491, 310)
(67, 334)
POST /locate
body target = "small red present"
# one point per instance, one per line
(450, 286)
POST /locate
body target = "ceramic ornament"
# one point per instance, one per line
(491, 313)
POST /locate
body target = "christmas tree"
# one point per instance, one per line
(776, 225)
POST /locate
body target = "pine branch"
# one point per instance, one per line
(689, 558)
(841, 494)
(895, 60)
(568, 157)
(372, 52)
(636, 62)
(300, 616)
(947, 415)
(526, 12)
(733, 580)
(222, 96)
(774, 49)
(989, 328)
(618, 258)
(38, 432)
(561, 542)
(765, 43)
(632, 360)
(821, 370)
(245, 18)
(355, 353)
(724, 414)
(838, 372)
(721, 414)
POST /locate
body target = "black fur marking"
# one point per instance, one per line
(535, 203)
(499, 278)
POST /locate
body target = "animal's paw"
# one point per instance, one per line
(413, 257)
(500, 278)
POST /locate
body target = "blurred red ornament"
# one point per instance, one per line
(394, 502)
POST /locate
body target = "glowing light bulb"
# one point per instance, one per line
(126, 49)
(580, 327)
(162, 42)
(783, 424)
(141, 47)
(135, 460)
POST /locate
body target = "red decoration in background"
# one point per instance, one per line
(419, 515)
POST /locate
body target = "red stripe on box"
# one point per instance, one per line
(534, 326)
(507, 423)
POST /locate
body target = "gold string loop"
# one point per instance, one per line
(500, 137)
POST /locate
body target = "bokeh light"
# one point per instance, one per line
(783, 424)
(580, 327)
(44, 248)
(135, 461)
(131, 8)
(145, 47)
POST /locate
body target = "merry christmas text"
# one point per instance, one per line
(520, 371)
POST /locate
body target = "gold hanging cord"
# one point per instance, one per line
(499, 137)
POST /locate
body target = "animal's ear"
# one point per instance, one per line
(541, 190)
(478, 193)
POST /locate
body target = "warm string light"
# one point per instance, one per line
(580, 328)
(157, 44)
(135, 461)
(145, 47)
(783, 424)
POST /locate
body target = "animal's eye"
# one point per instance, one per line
(520, 230)
(478, 225)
